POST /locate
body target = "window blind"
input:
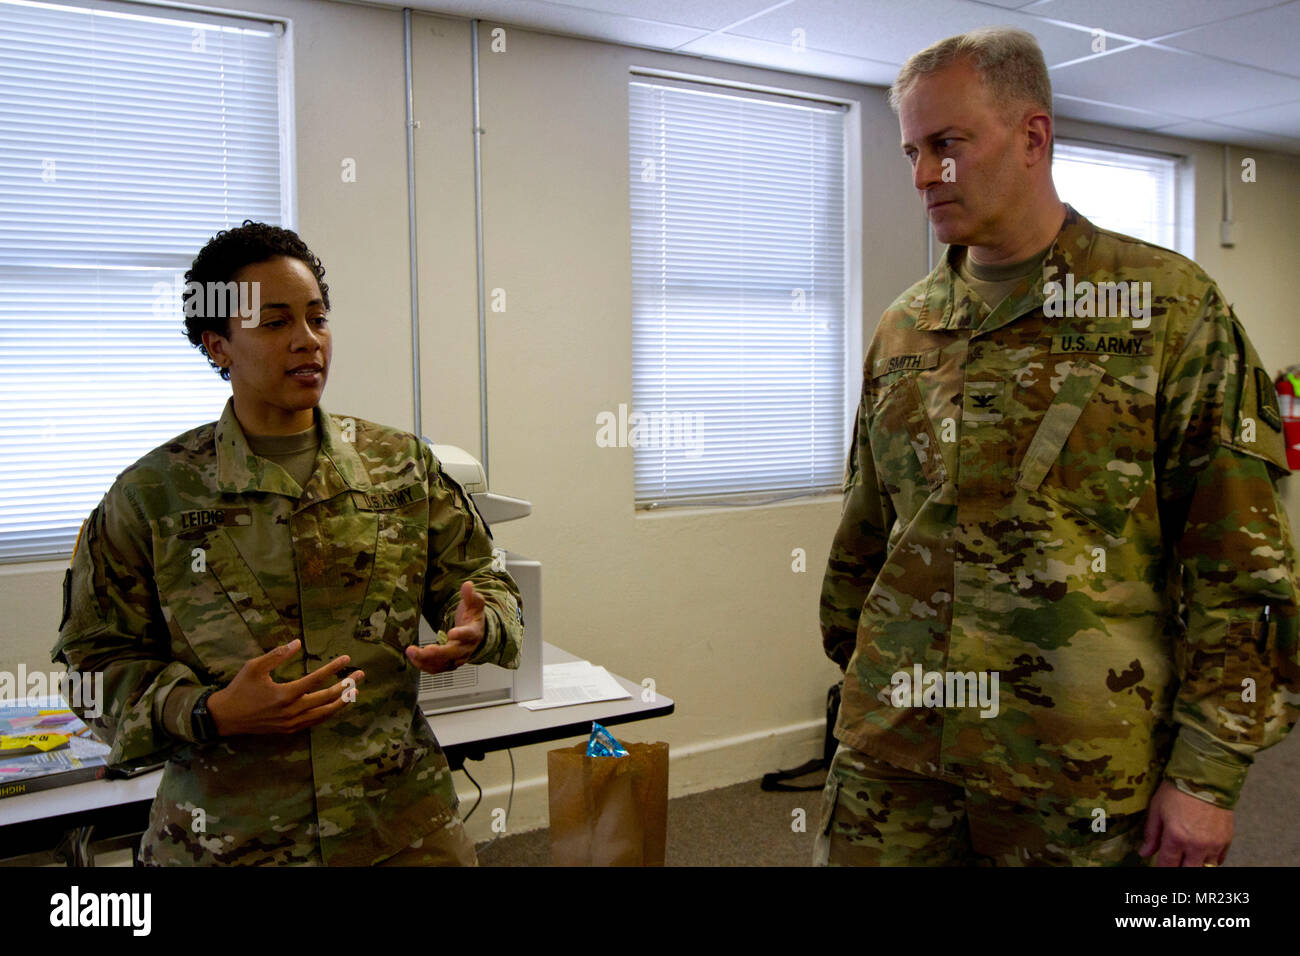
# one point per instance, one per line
(1132, 193)
(129, 135)
(739, 289)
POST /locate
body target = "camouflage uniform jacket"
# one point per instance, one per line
(1083, 505)
(202, 556)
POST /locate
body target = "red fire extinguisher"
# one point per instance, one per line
(1288, 397)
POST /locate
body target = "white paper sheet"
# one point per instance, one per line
(575, 682)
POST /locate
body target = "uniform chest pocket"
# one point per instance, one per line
(390, 613)
(905, 448)
(1093, 452)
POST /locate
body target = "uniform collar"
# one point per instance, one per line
(338, 466)
(948, 302)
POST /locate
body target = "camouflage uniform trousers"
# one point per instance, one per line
(448, 846)
(876, 814)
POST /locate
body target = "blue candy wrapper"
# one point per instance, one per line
(601, 743)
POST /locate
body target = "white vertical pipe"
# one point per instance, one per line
(478, 234)
(410, 219)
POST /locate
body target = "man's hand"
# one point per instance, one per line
(253, 703)
(1186, 831)
(462, 640)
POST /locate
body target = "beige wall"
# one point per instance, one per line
(702, 600)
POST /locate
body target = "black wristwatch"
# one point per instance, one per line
(205, 728)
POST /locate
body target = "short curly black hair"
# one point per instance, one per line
(217, 262)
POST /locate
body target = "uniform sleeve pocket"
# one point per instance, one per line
(1252, 419)
(830, 797)
(67, 598)
(1252, 668)
(904, 447)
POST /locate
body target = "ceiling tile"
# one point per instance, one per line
(782, 56)
(559, 18)
(1267, 39)
(1216, 133)
(888, 31)
(1180, 84)
(1108, 114)
(1282, 119)
(711, 15)
(1147, 19)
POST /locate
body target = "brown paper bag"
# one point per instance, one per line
(608, 811)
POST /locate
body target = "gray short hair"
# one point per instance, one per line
(1008, 60)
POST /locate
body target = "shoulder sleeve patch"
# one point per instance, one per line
(1252, 418)
(1267, 406)
(67, 598)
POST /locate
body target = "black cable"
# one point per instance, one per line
(510, 800)
(476, 787)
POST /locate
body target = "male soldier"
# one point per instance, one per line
(232, 576)
(1062, 588)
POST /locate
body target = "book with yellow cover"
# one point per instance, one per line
(45, 747)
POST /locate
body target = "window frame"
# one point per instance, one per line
(853, 340)
(63, 537)
(1183, 187)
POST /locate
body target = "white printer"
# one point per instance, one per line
(483, 685)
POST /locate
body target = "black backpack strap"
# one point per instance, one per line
(775, 781)
(772, 781)
(832, 715)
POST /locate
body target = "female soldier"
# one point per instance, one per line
(251, 592)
